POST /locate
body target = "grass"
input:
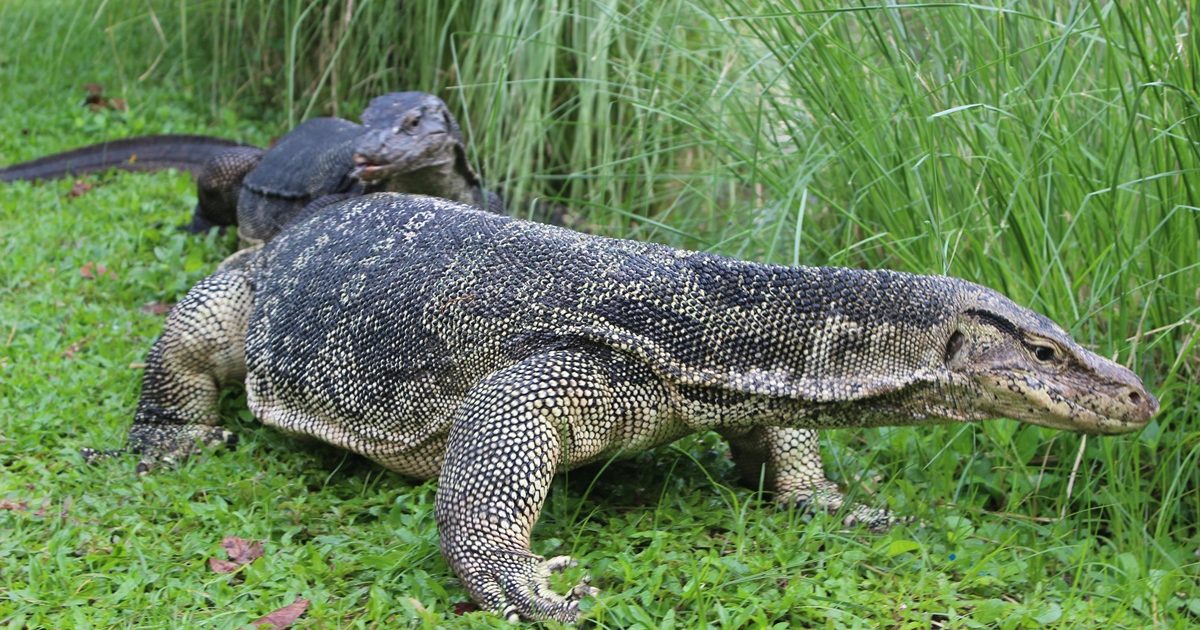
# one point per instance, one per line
(1047, 149)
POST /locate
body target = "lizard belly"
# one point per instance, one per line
(407, 440)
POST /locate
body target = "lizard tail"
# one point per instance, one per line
(140, 153)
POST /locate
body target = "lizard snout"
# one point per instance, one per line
(1145, 405)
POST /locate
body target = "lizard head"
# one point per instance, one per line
(406, 132)
(1021, 365)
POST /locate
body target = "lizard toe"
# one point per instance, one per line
(877, 520)
(165, 445)
(528, 593)
(92, 456)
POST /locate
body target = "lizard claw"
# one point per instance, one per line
(877, 520)
(522, 590)
(92, 456)
(583, 589)
(825, 496)
(166, 445)
(558, 564)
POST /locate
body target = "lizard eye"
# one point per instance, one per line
(408, 124)
(1045, 354)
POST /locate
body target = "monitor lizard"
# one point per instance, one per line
(491, 352)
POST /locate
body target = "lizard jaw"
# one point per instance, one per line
(1027, 397)
(369, 169)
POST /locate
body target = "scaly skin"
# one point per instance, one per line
(492, 353)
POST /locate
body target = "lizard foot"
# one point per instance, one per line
(825, 496)
(91, 455)
(169, 444)
(521, 589)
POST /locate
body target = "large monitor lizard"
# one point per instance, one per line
(490, 352)
(407, 142)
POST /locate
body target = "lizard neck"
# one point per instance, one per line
(932, 402)
(444, 180)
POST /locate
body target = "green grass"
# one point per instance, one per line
(1047, 149)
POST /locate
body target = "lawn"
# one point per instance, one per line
(1049, 150)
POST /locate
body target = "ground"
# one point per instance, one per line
(1009, 530)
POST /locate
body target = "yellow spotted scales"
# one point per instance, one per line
(491, 353)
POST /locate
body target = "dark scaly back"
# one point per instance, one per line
(310, 162)
(817, 334)
(482, 292)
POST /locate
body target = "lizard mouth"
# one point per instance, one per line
(373, 168)
(1121, 410)
(367, 171)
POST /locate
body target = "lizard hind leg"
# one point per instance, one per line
(788, 461)
(202, 347)
(217, 187)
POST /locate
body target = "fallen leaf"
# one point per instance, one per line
(222, 566)
(72, 349)
(96, 100)
(7, 504)
(462, 608)
(283, 617)
(92, 271)
(241, 552)
(156, 308)
(95, 93)
(79, 188)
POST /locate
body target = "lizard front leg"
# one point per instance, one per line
(202, 347)
(510, 436)
(788, 462)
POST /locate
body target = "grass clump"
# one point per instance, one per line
(1049, 150)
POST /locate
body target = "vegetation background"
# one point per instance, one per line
(1049, 149)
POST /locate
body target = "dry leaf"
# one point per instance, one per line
(156, 308)
(69, 353)
(283, 617)
(462, 608)
(222, 566)
(96, 100)
(95, 93)
(241, 552)
(7, 504)
(79, 188)
(92, 271)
